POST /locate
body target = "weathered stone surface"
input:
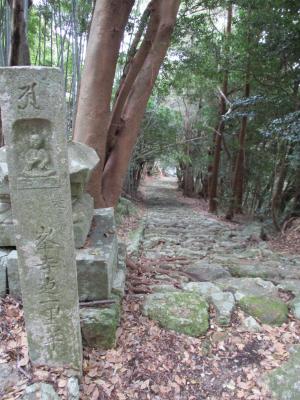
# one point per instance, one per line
(96, 268)
(267, 310)
(205, 289)
(163, 288)
(7, 231)
(13, 275)
(99, 326)
(295, 307)
(291, 286)
(249, 324)
(32, 104)
(3, 268)
(83, 212)
(4, 185)
(97, 264)
(181, 312)
(223, 301)
(40, 391)
(122, 255)
(82, 160)
(204, 272)
(105, 225)
(135, 238)
(224, 304)
(118, 286)
(241, 287)
(255, 271)
(100, 269)
(73, 388)
(8, 377)
(284, 382)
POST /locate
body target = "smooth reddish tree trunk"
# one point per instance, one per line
(132, 70)
(136, 102)
(93, 112)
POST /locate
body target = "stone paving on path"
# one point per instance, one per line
(225, 265)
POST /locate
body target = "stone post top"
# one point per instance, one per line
(29, 68)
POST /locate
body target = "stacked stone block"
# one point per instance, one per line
(100, 269)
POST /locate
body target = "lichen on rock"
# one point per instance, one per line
(181, 312)
(267, 310)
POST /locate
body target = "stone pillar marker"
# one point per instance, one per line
(34, 127)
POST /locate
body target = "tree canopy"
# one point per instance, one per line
(224, 108)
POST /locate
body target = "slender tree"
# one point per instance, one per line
(213, 201)
(19, 49)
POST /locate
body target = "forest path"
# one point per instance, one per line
(187, 250)
(174, 229)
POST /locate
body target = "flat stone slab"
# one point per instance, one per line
(241, 287)
(255, 271)
(284, 382)
(204, 272)
(178, 311)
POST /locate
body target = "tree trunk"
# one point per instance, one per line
(213, 201)
(19, 49)
(131, 70)
(280, 175)
(136, 102)
(93, 112)
(210, 158)
(188, 180)
(239, 171)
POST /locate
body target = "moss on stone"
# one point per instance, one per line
(267, 310)
(284, 382)
(181, 312)
(251, 271)
(99, 326)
